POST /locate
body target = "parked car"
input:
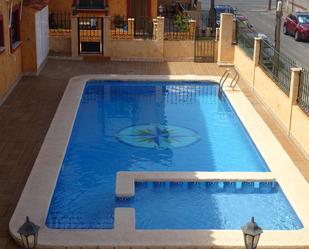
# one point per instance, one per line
(297, 24)
(244, 24)
(223, 8)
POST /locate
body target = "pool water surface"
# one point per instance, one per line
(144, 126)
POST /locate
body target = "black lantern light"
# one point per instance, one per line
(161, 10)
(74, 10)
(252, 234)
(29, 234)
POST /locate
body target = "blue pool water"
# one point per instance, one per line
(144, 127)
(222, 205)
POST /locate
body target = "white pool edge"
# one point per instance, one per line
(37, 194)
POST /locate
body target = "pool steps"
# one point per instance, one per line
(125, 181)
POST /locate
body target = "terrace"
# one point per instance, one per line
(28, 111)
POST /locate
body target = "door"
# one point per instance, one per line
(90, 35)
(140, 11)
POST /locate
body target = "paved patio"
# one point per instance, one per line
(27, 113)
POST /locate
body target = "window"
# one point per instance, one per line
(91, 4)
(1, 34)
(15, 29)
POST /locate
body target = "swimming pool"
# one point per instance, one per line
(144, 126)
(39, 191)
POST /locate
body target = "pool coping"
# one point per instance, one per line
(37, 194)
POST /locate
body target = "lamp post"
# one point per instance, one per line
(252, 234)
(212, 17)
(29, 234)
(278, 25)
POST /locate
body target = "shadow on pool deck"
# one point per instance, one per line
(28, 111)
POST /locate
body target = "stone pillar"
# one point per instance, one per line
(295, 80)
(155, 28)
(225, 45)
(192, 28)
(74, 36)
(257, 51)
(131, 28)
(217, 34)
(159, 38)
(160, 28)
(256, 57)
(106, 36)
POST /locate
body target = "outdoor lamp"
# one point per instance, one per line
(252, 234)
(29, 234)
(74, 9)
(161, 9)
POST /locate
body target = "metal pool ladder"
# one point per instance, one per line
(229, 72)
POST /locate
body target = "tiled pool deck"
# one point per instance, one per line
(27, 113)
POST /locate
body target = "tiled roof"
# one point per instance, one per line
(36, 4)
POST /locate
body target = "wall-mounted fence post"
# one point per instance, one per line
(192, 29)
(217, 34)
(155, 28)
(256, 57)
(107, 36)
(225, 47)
(160, 28)
(74, 36)
(131, 28)
(295, 81)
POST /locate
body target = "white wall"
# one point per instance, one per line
(42, 40)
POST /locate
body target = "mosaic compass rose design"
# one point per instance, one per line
(157, 136)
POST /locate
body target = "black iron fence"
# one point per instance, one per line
(245, 40)
(303, 92)
(120, 28)
(276, 65)
(143, 28)
(178, 28)
(60, 21)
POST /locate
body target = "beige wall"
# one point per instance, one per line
(147, 50)
(273, 96)
(245, 64)
(178, 50)
(291, 117)
(28, 36)
(300, 127)
(11, 67)
(60, 44)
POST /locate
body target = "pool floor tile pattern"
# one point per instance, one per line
(28, 111)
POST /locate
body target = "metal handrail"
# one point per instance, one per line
(228, 72)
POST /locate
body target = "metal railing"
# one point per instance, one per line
(178, 28)
(120, 28)
(245, 40)
(303, 91)
(276, 65)
(59, 22)
(143, 28)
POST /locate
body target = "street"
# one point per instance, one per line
(264, 22)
